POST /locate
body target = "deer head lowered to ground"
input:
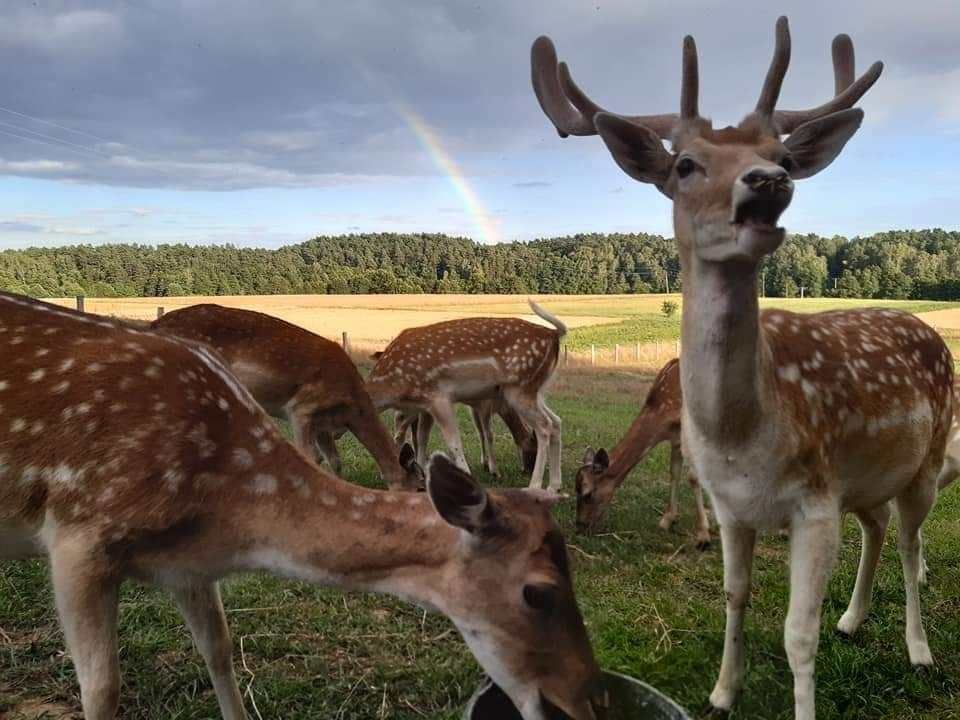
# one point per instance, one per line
(428, 369)
(602, 473)
(300, 376)
(787, 419)
(482, 412)
(132, 454)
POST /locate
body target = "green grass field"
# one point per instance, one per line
(644, 322)
(652, 602)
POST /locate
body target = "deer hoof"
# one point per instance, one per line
(715, 713)
(667, 521)
(703, 542)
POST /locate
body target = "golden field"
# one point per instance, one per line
(600, 323)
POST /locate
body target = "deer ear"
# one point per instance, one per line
(816, 144)
(588, 456)
(457, 497)
(638, 150)
(601, 461)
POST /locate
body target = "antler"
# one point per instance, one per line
(847, 90)
(572, 112)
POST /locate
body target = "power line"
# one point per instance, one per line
(54, 139)
(42, 142)
(53, 124)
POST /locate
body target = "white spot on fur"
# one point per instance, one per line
(789, 373)
(18, 425)
(37, 375)
(242, 458)
(264, 484)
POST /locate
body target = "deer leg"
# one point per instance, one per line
(913, 505)
(424, 425)
(402, 424)
(300, 421)
(526, 407)
(672, 513)
(737, 544)
(482, 419)
(555, 447)
(446, 418)
(873, 527)
(702, 535)
(326, 448)
(813, 550)
(202, 609)
(87, 597)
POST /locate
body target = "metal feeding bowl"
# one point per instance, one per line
(630, 699)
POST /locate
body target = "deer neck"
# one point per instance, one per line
(649, 429)
(348, 536)
(725, 366)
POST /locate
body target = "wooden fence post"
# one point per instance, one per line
(593, 354)
(80, 303)
(346, 342)
(678, 348)
(566, 356)
(638, 352)
(160, 311)
(616, 354)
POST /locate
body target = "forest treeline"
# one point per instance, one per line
(898, 264)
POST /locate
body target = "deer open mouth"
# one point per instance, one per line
(755, 226)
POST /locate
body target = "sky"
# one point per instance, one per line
(268, 123)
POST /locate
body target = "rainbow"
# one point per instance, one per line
(447, 165)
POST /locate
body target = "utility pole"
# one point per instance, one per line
(666, 280)
(763, 284)
(802, 288)
(835, 283)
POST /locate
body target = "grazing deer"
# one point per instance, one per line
(132, 454)
(602, 473)
(482, 412)
(302, 377)
(788, 419)
(428, 369)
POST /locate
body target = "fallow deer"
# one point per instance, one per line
(602, 473)
(428, 369)
(788, 419)
(300, 376)
(482, 412)
(130, 454)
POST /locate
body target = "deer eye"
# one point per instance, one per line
(539, 597)
(685, 166)
(787, 163)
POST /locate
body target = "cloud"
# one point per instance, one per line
(532, 184)
(15, 226)
(301, 94)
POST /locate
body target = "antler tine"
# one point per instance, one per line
(843, 63)
(778, 69)
(567, 106)
(848, 90)
(690, 87)
(545, 74)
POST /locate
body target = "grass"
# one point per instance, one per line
(652, 602)
(648, 324)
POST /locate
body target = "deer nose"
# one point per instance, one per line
(767, 179)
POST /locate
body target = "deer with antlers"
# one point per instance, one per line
(425, 370)
(788, 419)
(482, 412)
(299, 376)
(602, 473)
(131, 454)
